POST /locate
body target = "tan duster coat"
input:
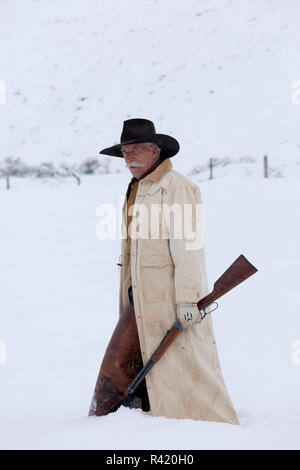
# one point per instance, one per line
(187, 382)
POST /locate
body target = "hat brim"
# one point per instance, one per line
(168, 145)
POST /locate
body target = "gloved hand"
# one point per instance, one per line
(188, 314)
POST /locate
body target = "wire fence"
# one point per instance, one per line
(213, 168)
(246, 166)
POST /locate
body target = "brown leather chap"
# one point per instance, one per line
(121, 363)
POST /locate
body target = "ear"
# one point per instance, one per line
(155, 151)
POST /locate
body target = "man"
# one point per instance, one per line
(163, 276)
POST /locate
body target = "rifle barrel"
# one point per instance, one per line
(143, 372)
(159, 351)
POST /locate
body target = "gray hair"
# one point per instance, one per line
(149, 144)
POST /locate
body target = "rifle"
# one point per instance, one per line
(238, 272)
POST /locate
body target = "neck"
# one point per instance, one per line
(152, 167)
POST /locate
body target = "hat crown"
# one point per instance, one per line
(140, 130)
(136, 128)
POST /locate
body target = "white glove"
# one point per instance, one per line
(188, 314)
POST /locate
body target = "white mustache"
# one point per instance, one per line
(134, 164)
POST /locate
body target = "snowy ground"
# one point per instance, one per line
(58, 308)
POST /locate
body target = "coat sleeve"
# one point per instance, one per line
(186, 240)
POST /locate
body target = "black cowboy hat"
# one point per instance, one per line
(141, 131)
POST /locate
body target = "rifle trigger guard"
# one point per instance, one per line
(207, 313)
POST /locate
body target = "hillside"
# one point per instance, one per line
(217, 74)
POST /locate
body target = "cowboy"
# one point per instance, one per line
(163, 276)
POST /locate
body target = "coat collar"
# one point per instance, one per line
(158, 172)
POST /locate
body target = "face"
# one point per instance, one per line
(139, 158)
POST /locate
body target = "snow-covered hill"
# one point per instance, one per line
(217, 74)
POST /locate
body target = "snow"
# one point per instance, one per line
(59, 306)
(210, 72)
(217, 75)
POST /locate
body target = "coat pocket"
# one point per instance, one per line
(156, 261)
(157, 272)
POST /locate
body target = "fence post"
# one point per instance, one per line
(7, 182)
(210, 168)
(266, 172)
(77, 178)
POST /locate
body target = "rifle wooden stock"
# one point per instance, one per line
(238, 272)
